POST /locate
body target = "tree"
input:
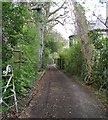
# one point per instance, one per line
(47, 20)
(81, 26)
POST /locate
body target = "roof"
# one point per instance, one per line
(98, 24)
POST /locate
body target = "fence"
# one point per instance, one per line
(8, 74)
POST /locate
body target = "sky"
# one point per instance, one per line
(90, 6)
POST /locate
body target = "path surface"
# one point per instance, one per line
(58, 96)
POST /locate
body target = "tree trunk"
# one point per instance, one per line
(82, 33)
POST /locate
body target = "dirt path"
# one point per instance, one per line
(61, 97)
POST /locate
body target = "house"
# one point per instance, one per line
(100, 24)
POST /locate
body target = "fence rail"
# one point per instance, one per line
(9, 85)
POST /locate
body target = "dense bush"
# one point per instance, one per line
(27, 69)
(73, 60)
(19, 48)
(100, 63)
(51, 46)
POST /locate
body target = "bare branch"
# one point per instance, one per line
(56, 3)
(56, 10)
(59, 22)
(100, 20)
(50, 27)
(53, 19)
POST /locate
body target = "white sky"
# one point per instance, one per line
(90, 6)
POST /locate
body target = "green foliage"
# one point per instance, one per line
(13, 20)
(46, 56)
(20, 47)
(51, 45)
(27, 70)
(100, 65)
(73, 59)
